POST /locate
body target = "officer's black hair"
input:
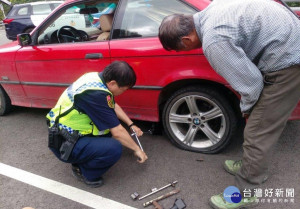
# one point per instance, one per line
(121, 72)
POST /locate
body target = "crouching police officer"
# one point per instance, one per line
(84, 126)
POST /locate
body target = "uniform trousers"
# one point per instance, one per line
(94, 155)
(279, 97)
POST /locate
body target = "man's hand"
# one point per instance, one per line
(142, 157)
(137, 130)
(121, 134)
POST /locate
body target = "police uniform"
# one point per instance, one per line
(87, 108)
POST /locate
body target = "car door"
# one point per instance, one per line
(51, 64)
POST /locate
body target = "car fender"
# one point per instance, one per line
(191, 77)
(202, 74)
(9, 79)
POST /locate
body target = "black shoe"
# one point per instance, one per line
(78, 175)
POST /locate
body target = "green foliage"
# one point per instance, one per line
(293, 4)
(6, 9)
(23, 1)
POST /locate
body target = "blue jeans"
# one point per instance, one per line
(94, 155)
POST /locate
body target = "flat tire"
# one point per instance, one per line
(199, 119)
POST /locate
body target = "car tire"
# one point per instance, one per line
(5, 103)
(199, 119)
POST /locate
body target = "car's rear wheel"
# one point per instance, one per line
(199, 119)
(5, 103)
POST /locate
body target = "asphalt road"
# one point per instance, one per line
(23, 145)
(3, 39)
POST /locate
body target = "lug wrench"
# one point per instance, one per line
(157, 190)
(137, 139)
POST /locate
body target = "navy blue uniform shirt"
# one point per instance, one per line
(94, 104)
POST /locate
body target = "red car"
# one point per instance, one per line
(198, 109)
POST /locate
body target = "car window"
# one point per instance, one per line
(142, 18)
(78, 23)
(23, 11)
(41, 9)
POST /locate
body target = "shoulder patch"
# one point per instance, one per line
(110, 101)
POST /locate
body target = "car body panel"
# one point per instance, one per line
(9, 77)
(200, 5)
(154, 62)
(154, 69)
(140, 104)
(296, 113)
(50, 68)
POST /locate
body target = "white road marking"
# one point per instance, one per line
(63, 190)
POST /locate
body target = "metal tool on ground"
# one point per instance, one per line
(148, 132)
(156, 205)
(134, 195)
(161, 197)
(137, 139)
(179, 204)
(157, 190)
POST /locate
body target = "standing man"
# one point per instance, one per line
(84, 126)
(255, 46)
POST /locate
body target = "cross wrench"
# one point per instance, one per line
(137, 139)
(157, 190)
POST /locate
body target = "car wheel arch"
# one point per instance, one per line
(5, 102)
(169, 89)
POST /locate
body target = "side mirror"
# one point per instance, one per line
(24, 39)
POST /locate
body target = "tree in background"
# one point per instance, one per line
(6, 9)
(293, 4)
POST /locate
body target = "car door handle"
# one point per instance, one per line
(94, 56)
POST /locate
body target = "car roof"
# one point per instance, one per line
(199, 3)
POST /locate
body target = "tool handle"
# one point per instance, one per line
(137, 139)
(161, 197)
(156, 205)
(164, 187)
